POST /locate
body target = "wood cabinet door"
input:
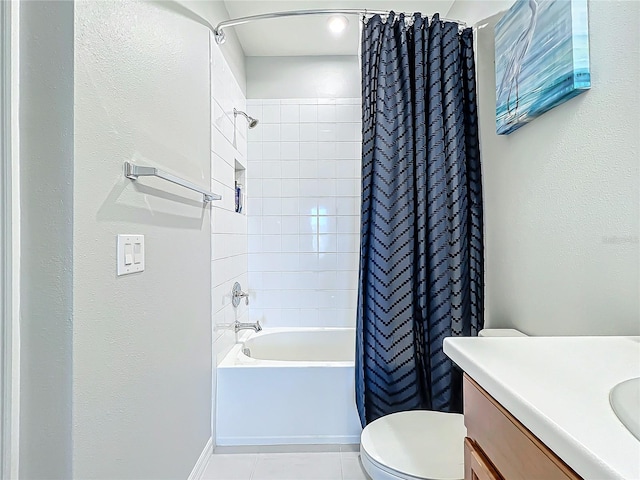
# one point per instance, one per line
(476, 465)
(511, 448)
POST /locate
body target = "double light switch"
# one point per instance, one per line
(130, 254)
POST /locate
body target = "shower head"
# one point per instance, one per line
(252, 121)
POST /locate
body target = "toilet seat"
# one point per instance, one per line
(414, 445)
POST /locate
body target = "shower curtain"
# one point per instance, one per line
(421, 255)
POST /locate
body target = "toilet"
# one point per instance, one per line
(418, 444)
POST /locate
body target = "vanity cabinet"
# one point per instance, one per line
(499, 447)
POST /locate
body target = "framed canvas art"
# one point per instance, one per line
(542, 59)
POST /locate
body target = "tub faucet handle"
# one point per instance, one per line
(237, 294)
(256, 327)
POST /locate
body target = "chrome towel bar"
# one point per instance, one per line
(132, 172)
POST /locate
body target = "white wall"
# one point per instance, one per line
(304, 190)
(142, 342)
(303, 77)
(304, 211)
(214, 12)
(228, 228)
(562, 193)
(46, 209)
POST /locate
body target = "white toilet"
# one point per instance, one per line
(418, 444)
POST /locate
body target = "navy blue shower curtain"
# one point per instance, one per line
(421, 256)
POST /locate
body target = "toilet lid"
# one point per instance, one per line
(418, 443)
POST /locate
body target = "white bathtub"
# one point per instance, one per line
(296, 388)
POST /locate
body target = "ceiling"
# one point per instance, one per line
(308, 35)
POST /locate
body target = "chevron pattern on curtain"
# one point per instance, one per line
(421, 255)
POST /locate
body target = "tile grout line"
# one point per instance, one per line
(255, 465)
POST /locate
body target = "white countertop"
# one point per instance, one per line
(558, 387)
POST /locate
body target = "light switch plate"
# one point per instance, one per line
(131, 246)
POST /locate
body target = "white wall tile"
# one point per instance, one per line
(254, 150)
(309, 169)
(272, 280)
(348, 113)
(272, 187)
(347, 187)
(349, 132)
(270, 114)
(308, 132)
(308, 150)
(271, 169)
(328, 168)
(304, 211)
(347, 150)
(255, 246)
(308, 262)
(308, 224)
(290, 170)
(290, 150)
(348, 243)
(308, 187)
(308, 243)
(272, 206)
(271, 150)
(308, 205)
(254, 187)
(290, 132)
(308, 113)
(327, 205)
(255, 134)
(347, 224)
(271, 225)
(254, 225)
(290, 188)
(290, 262)
(327, 150)
(289, 205)
(290, 243)
(309, 317)
(326, 132)
(347, 206)
(229, 240)
(290, 224)
(327, 243)
(290, 317)
(347, 262)
(271, 132)
(290, 113)
(326, 113)
(327, 186)
(327, 224)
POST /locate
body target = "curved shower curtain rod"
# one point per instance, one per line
(220, 36)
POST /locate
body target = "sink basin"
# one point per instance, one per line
(625, 401)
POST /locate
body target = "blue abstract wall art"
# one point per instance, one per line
(542, 59)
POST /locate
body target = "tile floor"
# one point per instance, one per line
(285, 466)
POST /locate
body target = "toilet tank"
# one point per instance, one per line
(501, 332)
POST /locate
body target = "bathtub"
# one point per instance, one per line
(288, 386)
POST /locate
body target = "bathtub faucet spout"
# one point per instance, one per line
(256, 327)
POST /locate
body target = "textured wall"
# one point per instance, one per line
(303, 77)
(142, 342)
(46, 176)
(215, 11)
(562, 193)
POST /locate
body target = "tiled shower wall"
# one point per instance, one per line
(228, 228)
(304, 211)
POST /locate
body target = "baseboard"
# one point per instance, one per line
(224, 441)
(300, 448)
(203, 461)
